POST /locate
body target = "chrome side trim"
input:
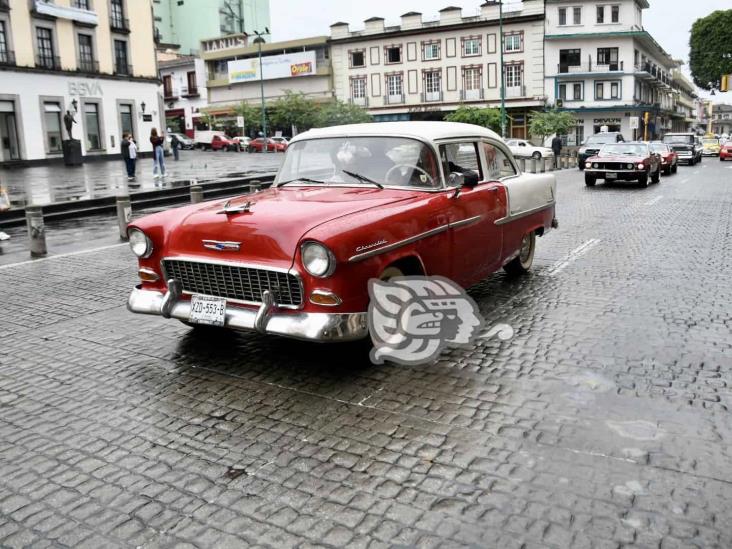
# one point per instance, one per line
(510, 218)
(321, 327)
(467, 221)
(398, 244)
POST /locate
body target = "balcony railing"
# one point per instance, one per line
(589, 66)
(87, 65)
(122, 69)
(119, 24)
(191, 91)
(396, 99)
(472, 95)
(7, 57)
(516, 91)
(169, 95)
(52, 62)
(360, 101)
(430, 97)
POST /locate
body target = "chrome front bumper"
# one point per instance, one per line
(325, 327)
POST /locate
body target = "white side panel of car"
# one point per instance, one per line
(528, 192)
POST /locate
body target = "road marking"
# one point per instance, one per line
(574, 255)
(59, 256)
(653, 201)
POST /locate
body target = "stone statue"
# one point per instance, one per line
(69, 122)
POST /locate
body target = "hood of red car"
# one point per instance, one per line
(617, 158)
(276, 221)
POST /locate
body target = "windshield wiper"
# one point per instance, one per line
(305, 179)
(362, 178)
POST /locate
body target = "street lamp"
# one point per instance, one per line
(259, 40)
(503, 71)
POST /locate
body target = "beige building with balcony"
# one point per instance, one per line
(420, 70)
(233, 71)
(92, 58)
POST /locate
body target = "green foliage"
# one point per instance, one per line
(252, 116)
(293, 110)
(710, 53)
(487, 117)
(550, 122)
(335, 113)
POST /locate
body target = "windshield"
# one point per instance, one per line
(659, 148)
(630, 149)
(355, 160)
(601, 139)
(685, 139)
(710, 141)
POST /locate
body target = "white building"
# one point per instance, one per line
(419, 70)
(603, 67)
(184, 91)
(94, 59)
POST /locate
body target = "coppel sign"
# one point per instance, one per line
(287, 65)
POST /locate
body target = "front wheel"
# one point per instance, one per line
(643, 180)
(590, 180)
(656, 177)
(522, 262)
(536, 155)
(667, 170)
(675, 168)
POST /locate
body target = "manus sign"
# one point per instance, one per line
(274, 66)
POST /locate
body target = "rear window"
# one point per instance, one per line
(685, 139)
(601, 139)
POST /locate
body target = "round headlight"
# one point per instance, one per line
(596, 165)
(640, 166)
(140, 244)
(630, 166)
(317, 259)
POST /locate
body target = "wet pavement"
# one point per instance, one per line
(57, 183)
(604, 421)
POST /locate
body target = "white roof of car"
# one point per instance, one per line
(430, 131)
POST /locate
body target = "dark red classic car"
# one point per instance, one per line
(256, 145)
(349, 204)
(725, 152)
(669, 157)
(624, 162)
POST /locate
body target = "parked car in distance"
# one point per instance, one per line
(256, 145)
(725, 153)
(349, 204)
(281, 139)
(592, 145)
(223, 143)
(523, 149)
(185, 141)
(243, 141)
(214, 140)
(624, 162)
(669, 158)
(686, 146)
(710, 146)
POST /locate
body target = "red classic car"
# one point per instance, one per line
(624, 162)
(725, 153)
(349, 204)
(221, 143)
(669, 157)
(256, 145)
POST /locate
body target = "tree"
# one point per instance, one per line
(335, 113)
(487, 117)
(551, 122)
(710, 54)
(294, 109)
(252, 116)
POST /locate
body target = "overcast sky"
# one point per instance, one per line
(669, 21)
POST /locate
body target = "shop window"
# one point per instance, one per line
(52, 119)
(91, 124)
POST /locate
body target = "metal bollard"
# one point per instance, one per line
(196, 194)
(255, 185)
(522, 164)
(542, 166)
(533, 165)
(124, 215)
(36, 231)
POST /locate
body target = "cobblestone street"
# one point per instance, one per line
(604, 422)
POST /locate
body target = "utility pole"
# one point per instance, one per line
(259, 41)
(503, 70)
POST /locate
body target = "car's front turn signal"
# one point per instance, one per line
(148, 275)
(325, 298)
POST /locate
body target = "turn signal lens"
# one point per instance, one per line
(148, 275)
(325, 298)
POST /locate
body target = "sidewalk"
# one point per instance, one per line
(58, 183)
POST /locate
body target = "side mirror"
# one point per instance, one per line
(456, 179)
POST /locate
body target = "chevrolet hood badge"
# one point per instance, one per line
(220, 246)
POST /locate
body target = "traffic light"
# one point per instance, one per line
(724, 86)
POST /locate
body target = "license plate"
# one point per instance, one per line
(208, 310)
(611, 175)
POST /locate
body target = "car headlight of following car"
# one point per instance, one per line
(629, 166)
(317, 259)
(140, 244)
(596, 165)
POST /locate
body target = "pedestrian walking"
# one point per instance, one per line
(127, 155)
(158, 154)
(557, 149)
(175, 145)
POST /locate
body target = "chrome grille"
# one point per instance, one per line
(234, 282)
